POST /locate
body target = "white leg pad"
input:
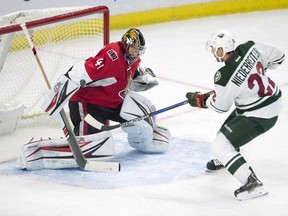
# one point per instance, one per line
(136, 105)
(161, 139)
(144, 135)
(56, 153)
(140, 135)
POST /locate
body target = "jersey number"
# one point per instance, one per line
(263, 90)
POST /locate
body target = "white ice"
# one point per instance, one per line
(176, 52)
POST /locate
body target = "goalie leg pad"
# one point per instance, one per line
(135, 105)
(161, 139)
(143, 135)
(56, 153)
(140, 136)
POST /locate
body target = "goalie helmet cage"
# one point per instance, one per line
(62, 36)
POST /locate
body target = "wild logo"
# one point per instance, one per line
(217, 76)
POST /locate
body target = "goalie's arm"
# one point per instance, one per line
(58, 96)
(66, 85)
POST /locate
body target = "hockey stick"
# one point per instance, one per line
(94, 123)
(66, 127)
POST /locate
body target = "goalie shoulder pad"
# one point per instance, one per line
(58, 96)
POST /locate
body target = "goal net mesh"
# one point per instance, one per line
(62, 36)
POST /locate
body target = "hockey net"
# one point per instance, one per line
(62, 36)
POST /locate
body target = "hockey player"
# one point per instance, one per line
(105, 86)
(111, 80)
(242, 81)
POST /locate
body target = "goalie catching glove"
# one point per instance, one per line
(144, 79)
(196, 99)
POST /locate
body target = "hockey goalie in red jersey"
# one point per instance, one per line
(243, 81)
(112, 79)
(106, 87)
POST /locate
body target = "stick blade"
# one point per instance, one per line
(93, 122)
(100, 166)
(98, 125)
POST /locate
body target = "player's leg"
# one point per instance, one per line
(232, 135)
(215, 164)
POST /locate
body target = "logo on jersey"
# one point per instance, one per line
(217, 76)
(112, 54)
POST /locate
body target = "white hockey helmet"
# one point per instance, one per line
(221, 39)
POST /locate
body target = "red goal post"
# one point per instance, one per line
(62, 36)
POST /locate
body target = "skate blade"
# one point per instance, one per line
(257, 192)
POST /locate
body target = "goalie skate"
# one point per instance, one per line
(251, 189)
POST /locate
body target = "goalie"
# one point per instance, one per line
(106, 86)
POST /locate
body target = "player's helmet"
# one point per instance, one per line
(133, 38)
(221, 39)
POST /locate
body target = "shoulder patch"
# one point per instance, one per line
(112, 54)
(217, 76)
(223, 75)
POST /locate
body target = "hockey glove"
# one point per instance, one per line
(144, 79)
(196, 99)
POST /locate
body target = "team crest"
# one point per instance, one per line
(217, 76)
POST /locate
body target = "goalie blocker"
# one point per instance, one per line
(56, 153)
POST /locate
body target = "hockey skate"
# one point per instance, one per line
(251, 189)
(214, 165)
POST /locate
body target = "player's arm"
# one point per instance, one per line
(58, 96)
(66, 85)
(196, 99)
(273, 56)
(220, 100)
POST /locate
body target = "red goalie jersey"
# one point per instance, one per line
(109, 74)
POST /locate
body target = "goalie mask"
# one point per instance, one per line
(134, 44)
(222, 40)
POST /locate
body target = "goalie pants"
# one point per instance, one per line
(78, 110)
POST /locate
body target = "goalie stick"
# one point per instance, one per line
(94, 123)
(81, 161)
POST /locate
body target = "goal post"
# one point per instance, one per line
(62, 36)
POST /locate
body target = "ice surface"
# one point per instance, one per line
(174, 183)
